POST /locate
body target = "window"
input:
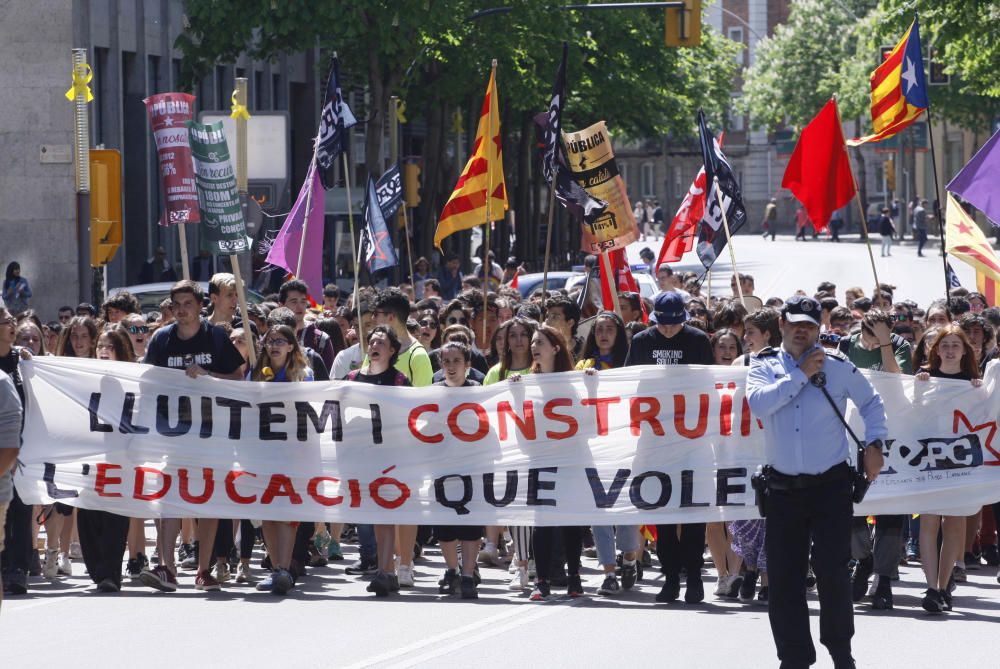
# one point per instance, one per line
(879, 172)
(678, 181)
(648, 185)
(736, 35)
(623, 172)
(277, 93)
(258, 89)
(736, 120)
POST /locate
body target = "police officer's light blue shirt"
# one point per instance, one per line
(801, 433)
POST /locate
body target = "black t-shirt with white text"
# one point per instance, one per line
(690, 346)
(209, 348)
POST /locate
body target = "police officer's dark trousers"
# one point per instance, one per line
(822, 514)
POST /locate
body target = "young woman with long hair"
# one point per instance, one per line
(78, 338)
(606, 348)
(760, 331)
(103, 535)
(727, 347)
(550, 353)
(512, 340)
(383, 350)
(951, 356)
(281, 360)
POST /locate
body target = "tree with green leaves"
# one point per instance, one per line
(437, 61)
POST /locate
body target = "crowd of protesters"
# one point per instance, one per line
(439, 329)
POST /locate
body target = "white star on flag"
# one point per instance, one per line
(909, 76)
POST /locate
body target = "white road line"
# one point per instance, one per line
(467, 635)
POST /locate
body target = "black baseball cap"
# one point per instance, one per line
(802, 308)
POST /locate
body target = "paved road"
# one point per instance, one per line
(782, 266)
(331, 621)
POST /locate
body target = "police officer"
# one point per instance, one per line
(810, 487)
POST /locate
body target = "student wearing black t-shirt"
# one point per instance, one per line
(192, 344)
(383, 349)
(950, 357)
(671, 342)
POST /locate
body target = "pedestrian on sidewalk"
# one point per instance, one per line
(770, 223)
(887, 230)
(920, 226)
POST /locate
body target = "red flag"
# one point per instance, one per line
(622, 281)
(819, 171)
(679, 238)
(513, 282)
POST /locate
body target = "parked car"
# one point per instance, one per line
(530, 283)
(151, 294)
(647, 284)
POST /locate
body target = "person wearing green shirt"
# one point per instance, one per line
(875, 347)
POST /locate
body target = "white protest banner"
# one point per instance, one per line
(638, 445)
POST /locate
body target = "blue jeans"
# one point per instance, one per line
(605, 538)
(366, 542)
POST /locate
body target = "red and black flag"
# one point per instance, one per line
(718, 175)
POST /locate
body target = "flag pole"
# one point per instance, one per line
(548, 234)
(489, 194)
(857, 198)
(937, 209)
(409, 250)
(185, 266)
(708, 288)
(729, 241)
(240, 98)
(310, 174)
(354, 260)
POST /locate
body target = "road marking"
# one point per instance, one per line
(468, 635)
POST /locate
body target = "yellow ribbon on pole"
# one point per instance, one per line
(239, 111)
(82, 75)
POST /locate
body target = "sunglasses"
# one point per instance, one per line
(829, 338)
(137, 329)
(277, 342)
(427, 323)
(7, 321)
(456, 320)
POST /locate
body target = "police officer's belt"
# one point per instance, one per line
(779, 481)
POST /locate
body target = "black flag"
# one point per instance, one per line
(711, 235)
(389, 189)
(376, 242)
(580, 204)
(335, 119)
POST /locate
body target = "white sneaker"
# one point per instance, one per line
(51, 567)
(65, 566)
(243, 573)
(405, 575)
(490, 556)
(724, 585)
(75, 552)
(873, 586)
(520, 580)
(221, 572)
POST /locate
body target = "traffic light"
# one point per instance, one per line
(105, 205)
(683, 25)
(889, 168)
(411, 184)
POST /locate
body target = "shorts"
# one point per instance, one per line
(62, 509)
(458, 532)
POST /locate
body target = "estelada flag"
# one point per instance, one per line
(466, 208)
(966, 241)
(899, 89)
(819, 171)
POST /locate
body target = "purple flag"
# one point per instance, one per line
(977, 182)
(285, 250)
